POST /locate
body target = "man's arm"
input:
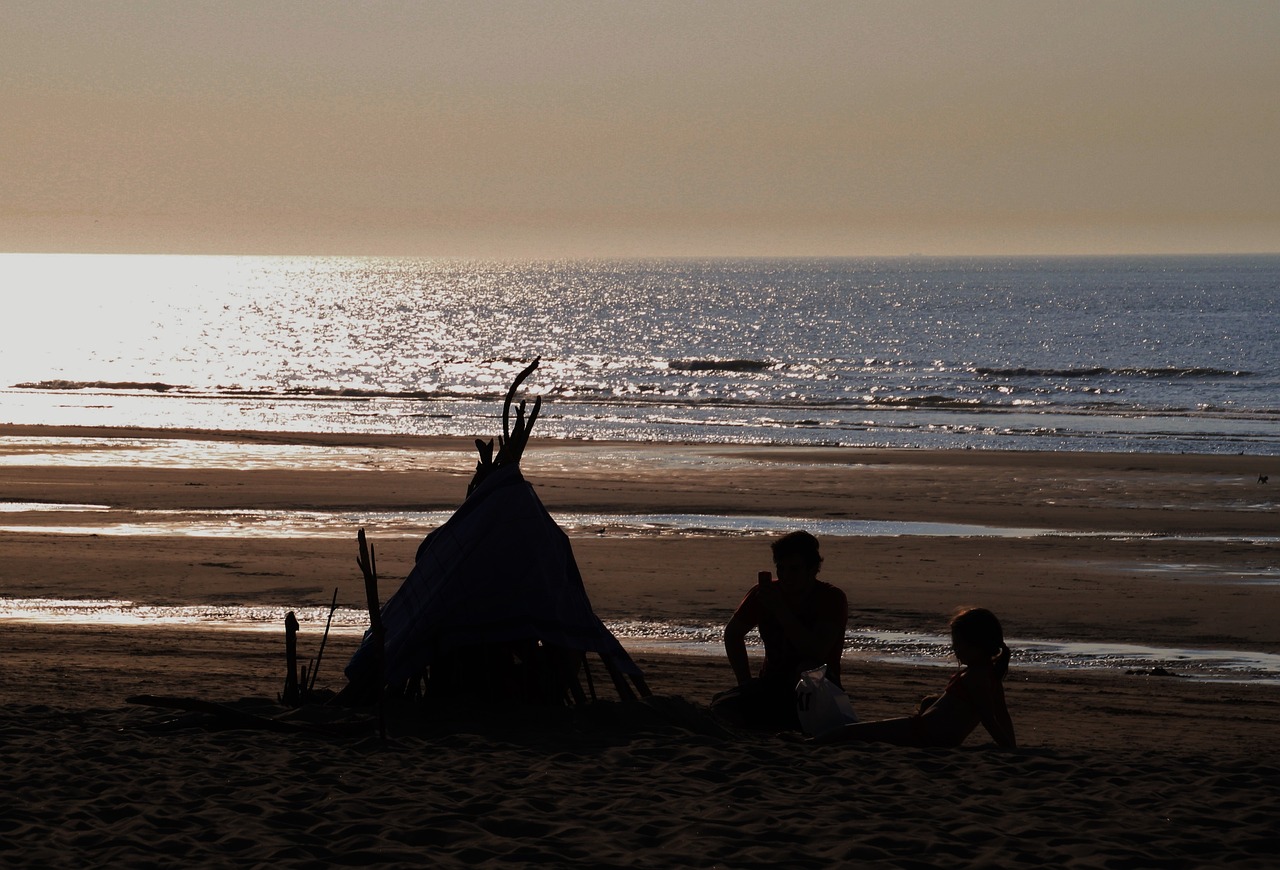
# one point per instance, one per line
(831, 627)
(735, 645)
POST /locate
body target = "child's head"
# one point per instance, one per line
(978, 630)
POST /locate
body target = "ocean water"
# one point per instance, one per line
(1140, 354)
(1112, 354)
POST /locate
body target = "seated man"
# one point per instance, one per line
(801, 621)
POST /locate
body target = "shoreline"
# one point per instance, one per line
(464, 443)
(1154, 574)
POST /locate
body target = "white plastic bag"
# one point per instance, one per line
(821, 705)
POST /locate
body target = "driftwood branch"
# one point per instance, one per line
(369, 567)
(511, 394)
(512, 442)
(333, 606)
(291, 696)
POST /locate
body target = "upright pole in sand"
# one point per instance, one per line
(291, 695)
(369, 567)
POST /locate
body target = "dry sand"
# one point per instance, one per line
(1113, 770)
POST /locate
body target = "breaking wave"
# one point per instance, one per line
(444, 402)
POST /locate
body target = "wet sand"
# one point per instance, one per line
(1113, 769)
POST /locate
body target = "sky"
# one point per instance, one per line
(558, 128)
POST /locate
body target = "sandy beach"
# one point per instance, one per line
(1114, 769)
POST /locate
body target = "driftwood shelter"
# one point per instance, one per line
(495, 606)
(493, 612)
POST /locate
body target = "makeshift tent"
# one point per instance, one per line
(495, 599)
(499, 572)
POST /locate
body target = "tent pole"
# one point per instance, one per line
(619, 681)
(586, 670)
(369, 567)
(291, 693)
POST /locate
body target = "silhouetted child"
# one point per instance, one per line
(975, 694)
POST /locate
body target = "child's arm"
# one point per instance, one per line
(988, 697)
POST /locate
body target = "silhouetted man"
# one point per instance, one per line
(801, 621)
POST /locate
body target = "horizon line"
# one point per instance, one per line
(914, 255)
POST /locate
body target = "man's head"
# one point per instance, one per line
(796, 556)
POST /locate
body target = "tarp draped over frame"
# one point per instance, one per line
(499, 570)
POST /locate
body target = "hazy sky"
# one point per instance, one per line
(561, 128)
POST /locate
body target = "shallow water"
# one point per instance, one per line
(651, 636)
(241, 523)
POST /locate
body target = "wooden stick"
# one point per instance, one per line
(370, 569)
(333, 606)
(369, 566)
(290, 697)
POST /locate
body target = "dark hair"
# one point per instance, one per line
(979, 627)
(800, 544)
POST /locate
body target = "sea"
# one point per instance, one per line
(1113, 354)
(1119, 354)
